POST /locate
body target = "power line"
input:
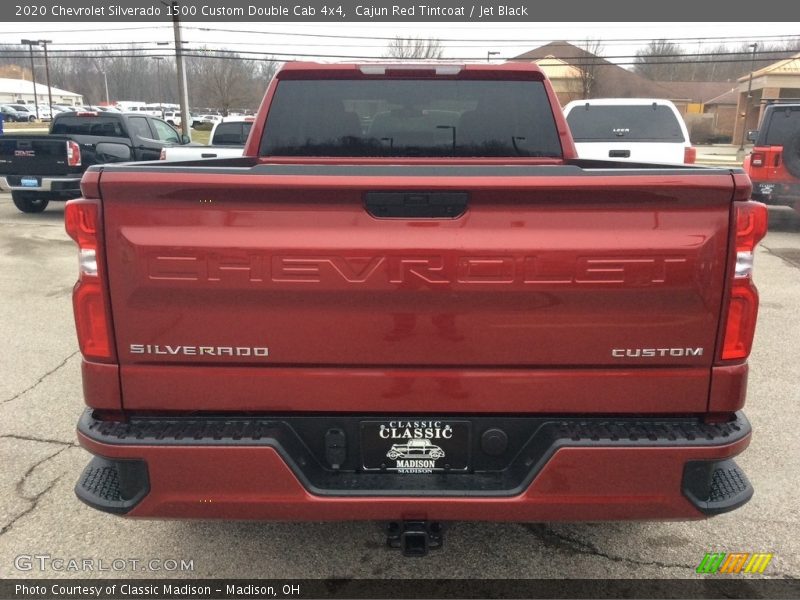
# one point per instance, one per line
(615, 41)
(238, 54)
(320, 45)
(92, 30)
(270, 57)
(522, 40)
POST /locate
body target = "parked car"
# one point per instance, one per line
(209, 118)
(37, 169)
(11, 115)
(258, 332)
(774, 163)
(642, 130)
(45, 112)
(28, 112)
(226, 140)
(173, 117)
(103, 108)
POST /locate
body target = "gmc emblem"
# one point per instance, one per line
(24, 153)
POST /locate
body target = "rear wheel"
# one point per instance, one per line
(791, 155)
(28, 203)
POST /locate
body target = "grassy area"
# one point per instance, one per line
(198, 137)
(25, 126)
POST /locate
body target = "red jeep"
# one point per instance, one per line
(774, 165)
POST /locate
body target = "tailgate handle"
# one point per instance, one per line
(619, 153)
(416, 204)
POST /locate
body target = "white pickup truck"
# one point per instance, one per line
(226, 141)
(641, 130)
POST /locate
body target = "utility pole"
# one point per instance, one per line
(754, 46)
(105, 81)
(31, 44)
(47, 76)
(183, 93)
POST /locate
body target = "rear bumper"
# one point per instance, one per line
(590, 469)
(61, 185)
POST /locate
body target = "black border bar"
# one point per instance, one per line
(712, 587)
(361, 11)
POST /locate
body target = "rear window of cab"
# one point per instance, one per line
(624, 123)
(410, 118)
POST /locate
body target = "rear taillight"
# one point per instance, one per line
(742, 309)
(689, 155)
(89, 299)
(73, 154)
(757, 159)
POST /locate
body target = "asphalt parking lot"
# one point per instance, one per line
(41, 398)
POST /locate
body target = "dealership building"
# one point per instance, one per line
(20, 91)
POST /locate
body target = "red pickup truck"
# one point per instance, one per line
(409, 301)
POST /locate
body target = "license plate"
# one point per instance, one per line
(411, 446)
(29, 182)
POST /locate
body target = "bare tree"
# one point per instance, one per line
(414, 48)
(588, 65)
(660, 60)
(217, 79)
(223, 80)
(666, 61)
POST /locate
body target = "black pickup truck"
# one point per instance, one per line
(39, 168)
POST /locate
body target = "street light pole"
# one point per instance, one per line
(31, 44)
(47, 75)
(754, 46)
(158, 60)
(105, 81)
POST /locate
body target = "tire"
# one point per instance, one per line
(29, 204)
(32, 119)
(791, 155)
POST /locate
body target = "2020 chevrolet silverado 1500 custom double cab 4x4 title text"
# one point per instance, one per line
(410, 301)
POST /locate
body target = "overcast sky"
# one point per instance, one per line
(620, 39)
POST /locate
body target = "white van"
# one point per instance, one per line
(129, 105)
(642, 130)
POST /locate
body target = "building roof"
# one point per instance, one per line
(23, 86)
(787, 66)
(611, 81)
(556, 68)
(696, 91)
(729, 97)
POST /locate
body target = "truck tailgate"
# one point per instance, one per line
(556, 278)
(33, 155)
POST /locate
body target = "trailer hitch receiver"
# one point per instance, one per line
(415, 538)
